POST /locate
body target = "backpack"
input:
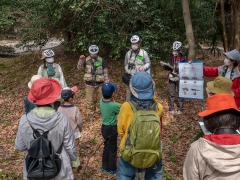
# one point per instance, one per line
(41, 161)
(142, 147)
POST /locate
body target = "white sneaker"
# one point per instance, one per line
(179, 112)
(172, 112)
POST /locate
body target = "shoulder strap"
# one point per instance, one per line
(37, 134)
(224, 70)
(100, 58)
(134, 106)
(154, 106)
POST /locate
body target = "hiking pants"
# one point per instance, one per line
(126, 171)
(173, 87)
(93, 96)
(109, 157)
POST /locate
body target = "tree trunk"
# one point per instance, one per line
(235, 15)
(189, 30)
(225, 39)
(231, 43)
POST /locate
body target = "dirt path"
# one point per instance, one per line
(53, 42)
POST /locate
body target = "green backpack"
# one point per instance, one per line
(142, 147)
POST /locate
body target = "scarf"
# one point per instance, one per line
(50, 70)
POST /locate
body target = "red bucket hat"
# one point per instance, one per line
(219, 102)
(44, 91)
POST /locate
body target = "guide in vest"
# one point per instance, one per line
(177, 56)
(136, 60)
(95, 74)
(230, 69)
(50, 69)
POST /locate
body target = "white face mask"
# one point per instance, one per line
(226, 62)
(134, 47)
(175, 53)
(93, 56)
(50, 60)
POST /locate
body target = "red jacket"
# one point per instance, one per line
(217, 71)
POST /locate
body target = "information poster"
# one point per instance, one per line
(191, 85)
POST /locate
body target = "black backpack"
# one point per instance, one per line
(41, 161)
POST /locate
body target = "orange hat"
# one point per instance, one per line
(219, 102)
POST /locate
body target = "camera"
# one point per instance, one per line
(131, 66)
(93, 70)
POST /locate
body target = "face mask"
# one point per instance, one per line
(175, 53)
(93, 55)
(134, 47)
(50, 60)
(226, 62)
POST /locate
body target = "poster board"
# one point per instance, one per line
(191, 84)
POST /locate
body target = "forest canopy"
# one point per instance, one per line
(110, 23)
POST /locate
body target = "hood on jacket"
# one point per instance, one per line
(223, 158)
(44, 123)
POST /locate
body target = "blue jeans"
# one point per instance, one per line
(125, 171)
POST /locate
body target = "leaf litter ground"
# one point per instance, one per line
(178, 131)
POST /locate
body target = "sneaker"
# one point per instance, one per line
(104, 171)
(179, 112)
(172, 112)
(112, 172)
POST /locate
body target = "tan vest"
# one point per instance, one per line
(138, 60)
(56, 68)
(98, 76)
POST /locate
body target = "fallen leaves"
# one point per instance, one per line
(178, 130)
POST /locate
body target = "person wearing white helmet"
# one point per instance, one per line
(96, 74)
(136, 60)
(177, 56)
(50, 69)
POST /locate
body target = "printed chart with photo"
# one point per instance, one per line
(191, 83)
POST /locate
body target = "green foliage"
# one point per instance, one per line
(172, 157)
(6, 50)
(167, 176)
(10, 17)
(174, 140)
(199, 135)
(94, 140)
(111, 23)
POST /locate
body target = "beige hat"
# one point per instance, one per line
(220, 85)
(34, 78)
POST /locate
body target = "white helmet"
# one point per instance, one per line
(47, 54)
(177, 46)
(93, 49)
(135, 39)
